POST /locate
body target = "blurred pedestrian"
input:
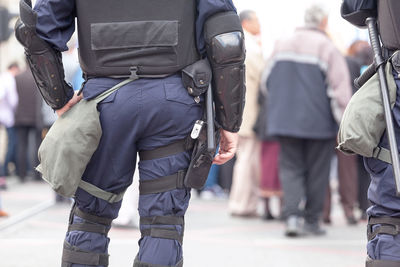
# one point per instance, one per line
(8, 104)
(308, 88)
(243, 198)
(28, 123)
(353, 179)
(269, 183)
(212, 188)
(360, 56)
(2, 212)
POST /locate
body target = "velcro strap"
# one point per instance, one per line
(138, 263)
(384, 220)
(163, 233)
(390, 226)
(162, 184)
(384, 229)
(82, 257)
(172, 220)
(381, 263)
(165, 151)
(382, 154)
(89, 227)
(91, 217)
(100, 193)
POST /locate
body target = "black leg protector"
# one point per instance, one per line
(92, 224)
(382, 225)
(381, 263)
(160, 227)
(161, 231)
(137, 263)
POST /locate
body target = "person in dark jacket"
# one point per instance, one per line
(28, 122)
(353, 179)
(308, 89)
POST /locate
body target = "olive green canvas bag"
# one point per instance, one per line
(69, 145)
(363, 122)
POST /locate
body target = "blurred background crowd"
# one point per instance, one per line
(300, 65)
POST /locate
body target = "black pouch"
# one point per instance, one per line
(197, 77)
(201, 162)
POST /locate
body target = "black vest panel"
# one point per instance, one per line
(389, 23)
(156, 37)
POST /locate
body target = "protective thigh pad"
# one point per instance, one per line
(44, 61)
(226, 52)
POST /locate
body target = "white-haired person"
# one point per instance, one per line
(308, 88)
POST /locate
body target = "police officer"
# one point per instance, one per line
(384, 215)
(150, 42)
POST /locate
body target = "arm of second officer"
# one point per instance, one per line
(356, 11)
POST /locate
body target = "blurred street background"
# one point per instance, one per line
(34, 232)
(234, 223)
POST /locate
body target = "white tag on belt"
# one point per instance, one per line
(196, 129)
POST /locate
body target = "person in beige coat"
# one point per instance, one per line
(244, 192)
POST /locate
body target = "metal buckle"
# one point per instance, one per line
(134, 75)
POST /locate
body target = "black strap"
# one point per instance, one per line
(172, 220)
(91, 217)
(74, 255)
(384, 220)
(89, 227)
(162, 184)
(381, 263)
(138, 263)
(388, 226)
(163, 233)
(165, 151)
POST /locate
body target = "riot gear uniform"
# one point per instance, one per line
(383, 216)
(149, 42)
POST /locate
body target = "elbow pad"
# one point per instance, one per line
(226, 53)
(357, 13)
(44, 61)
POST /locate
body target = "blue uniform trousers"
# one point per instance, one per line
(143, 115)
(382, 194)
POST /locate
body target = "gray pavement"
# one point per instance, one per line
(33, 235)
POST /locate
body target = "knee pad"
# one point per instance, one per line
(92, 224)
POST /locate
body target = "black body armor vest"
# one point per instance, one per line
(152, 38)
(389, 23)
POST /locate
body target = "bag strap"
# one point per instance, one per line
(100, 193)
(382, 154)
(105, 94)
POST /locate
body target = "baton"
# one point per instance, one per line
(374, 38)
(210, 120)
